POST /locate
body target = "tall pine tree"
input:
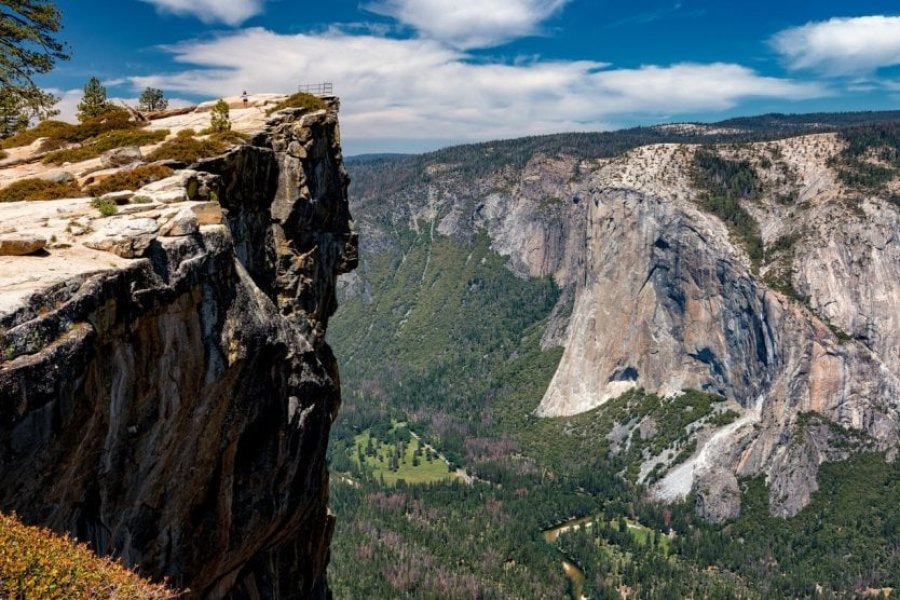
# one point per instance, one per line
(29, 48)
(95, 102)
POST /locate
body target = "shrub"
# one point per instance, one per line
(186, 133)
(106, 206)
(38, 189)
(300, 100)
(107, 141)
(230, 137)
(3, 154)
(218, 120)
(36, 563)
(44, 129)
(188, 150)
(130, 180)
(69, 155)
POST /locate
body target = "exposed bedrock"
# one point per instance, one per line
(175, 412)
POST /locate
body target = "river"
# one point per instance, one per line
(571, 570)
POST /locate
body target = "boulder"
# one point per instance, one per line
(57, 176)
(119, 157)
(208, 213)
(183, 222)
(124, 236)
(20, 244)
(121, 197)
(718, 496)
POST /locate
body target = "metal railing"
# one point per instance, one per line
(317, 89)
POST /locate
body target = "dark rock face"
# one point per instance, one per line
(176, 413)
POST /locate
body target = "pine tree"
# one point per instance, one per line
(152, 99)
(95, 102)
(27, 29)
(219, 121)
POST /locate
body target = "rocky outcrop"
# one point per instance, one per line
(171, 404)
(718, 496)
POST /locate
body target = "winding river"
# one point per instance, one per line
(571, 570)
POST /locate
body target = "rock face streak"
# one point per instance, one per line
(175, 412)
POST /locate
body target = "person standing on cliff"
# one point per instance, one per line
(245, 98)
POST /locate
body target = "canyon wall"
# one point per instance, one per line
(169, 400)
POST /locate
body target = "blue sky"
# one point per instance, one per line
(419, 74)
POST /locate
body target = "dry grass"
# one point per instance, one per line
(36, 563)
(132, 179)
(109, 140)
(188, 150)
(300, 100)
(38, 189)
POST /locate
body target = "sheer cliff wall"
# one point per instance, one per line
(173, 408)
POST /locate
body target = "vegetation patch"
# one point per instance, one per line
(36, 563)
(131, 179)
(391, 454)
(106, 206)
(871, 158)
(188, 149)
(108, 141)
(300, 100)
(726, 183)
(38, 189)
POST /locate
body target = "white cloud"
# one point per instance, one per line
(470, 23)
(420, 89)
(230, 12)
(842, 46)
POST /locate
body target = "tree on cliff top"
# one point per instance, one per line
(152, 99)
(218, 120)
(29, 48)
(94, 102)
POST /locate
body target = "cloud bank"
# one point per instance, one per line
(470, 23)
(229, 12)
(842, 46)
(419, 88)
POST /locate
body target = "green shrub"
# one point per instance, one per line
(130, 180)
(188, 150)
(300, 100)
(38, 189)
(69, 155)
(37, 563)
(186, 133)
(218, 120)
(106, 206)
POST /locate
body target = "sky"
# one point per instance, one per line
(415, 75)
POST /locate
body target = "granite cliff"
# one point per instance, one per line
(794, 324)
(166, 391)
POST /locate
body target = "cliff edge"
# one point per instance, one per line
(166, 392)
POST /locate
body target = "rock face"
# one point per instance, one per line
(656, 294)
(718, 496)
(174, 410)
